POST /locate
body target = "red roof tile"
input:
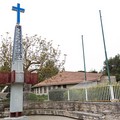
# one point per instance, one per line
(65, 77)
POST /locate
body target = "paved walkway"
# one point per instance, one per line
(49, 118)
(46, 118)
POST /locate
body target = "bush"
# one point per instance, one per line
(34, 97)
(77, 94)
(57, 95)
(42, 97)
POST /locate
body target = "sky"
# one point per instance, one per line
(64, 21)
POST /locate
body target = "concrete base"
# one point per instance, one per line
(16, 118)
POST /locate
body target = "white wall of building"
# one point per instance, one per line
(43, 90)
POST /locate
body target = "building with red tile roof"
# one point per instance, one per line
(65, 80)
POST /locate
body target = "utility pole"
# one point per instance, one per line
(85, 78)
(108, 71)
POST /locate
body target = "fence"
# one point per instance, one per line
(97, 93)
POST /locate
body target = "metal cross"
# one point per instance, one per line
(18, 9)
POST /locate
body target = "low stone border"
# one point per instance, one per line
(73, 114)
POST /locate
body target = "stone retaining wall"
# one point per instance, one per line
(77, 110)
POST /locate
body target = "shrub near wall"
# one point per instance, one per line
(58, 95)
(77, 94)
(35, 98)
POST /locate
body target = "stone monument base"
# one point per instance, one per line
(17, 118)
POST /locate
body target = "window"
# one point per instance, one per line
(45, 90)
(53, 87)
(40, 89)
(64, 86)
(49, 88)
(37, 90)
(59, 86)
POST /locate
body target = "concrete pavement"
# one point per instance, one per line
(42, 117)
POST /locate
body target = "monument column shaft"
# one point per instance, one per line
(16, 94)
(16, 102)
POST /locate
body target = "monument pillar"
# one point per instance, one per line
(16, 96)
(16, 93)
(16, 78)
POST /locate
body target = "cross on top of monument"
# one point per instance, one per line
(18, 9)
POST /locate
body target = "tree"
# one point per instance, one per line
(5, 53)
(114, 66)
(48, 70)
(39, 55)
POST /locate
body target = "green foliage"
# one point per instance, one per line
(77, 94)
(57, 95)
(32, 97)
(37, 98)
(114, 67)
(5, 53)
(42, 97)
(48, 70)
(5, 67)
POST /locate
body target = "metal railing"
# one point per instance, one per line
(101, 93)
